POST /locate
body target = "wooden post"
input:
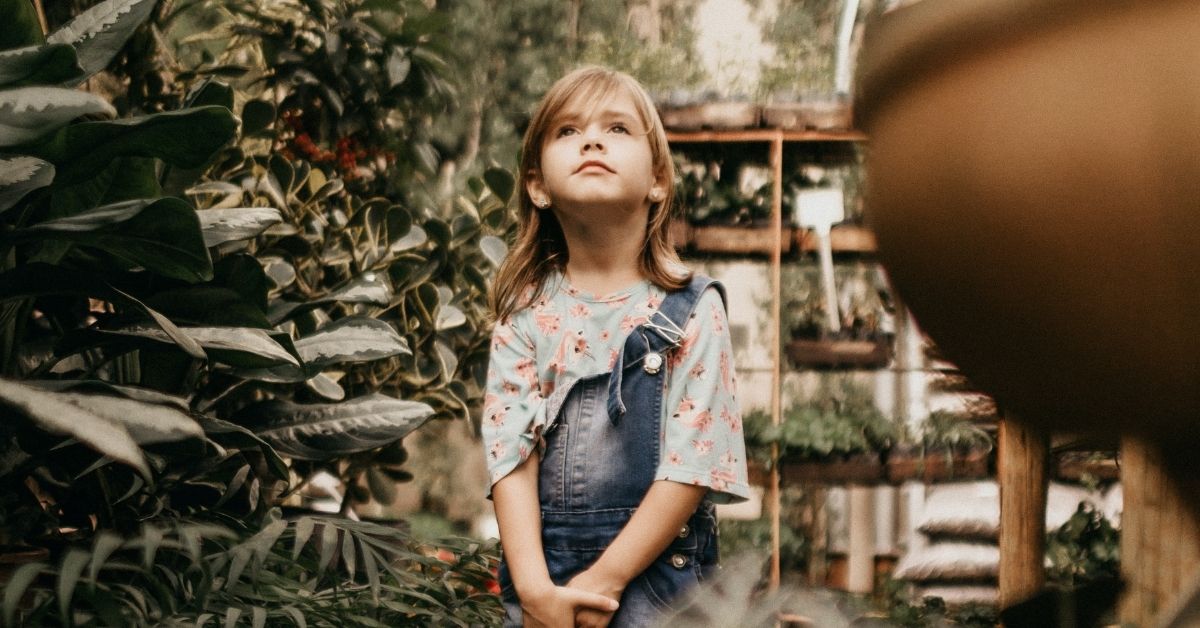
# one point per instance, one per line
(1023, 455)
(1160, 531)
(776, 163)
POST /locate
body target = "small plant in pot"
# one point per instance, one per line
(864, 337)
(950, 445)
(836, 437)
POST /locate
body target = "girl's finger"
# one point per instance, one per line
(588, 599)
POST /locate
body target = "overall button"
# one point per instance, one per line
(683, 532)
(678, 561)
(652, 363)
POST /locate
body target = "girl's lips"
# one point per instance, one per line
(593, 164)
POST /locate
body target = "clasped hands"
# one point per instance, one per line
(587, 601)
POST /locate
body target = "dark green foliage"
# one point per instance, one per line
(1084, 549)
(138, 330)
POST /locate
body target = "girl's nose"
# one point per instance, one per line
(592, 141)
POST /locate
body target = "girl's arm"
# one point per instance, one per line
(657, 521)
(519, 515)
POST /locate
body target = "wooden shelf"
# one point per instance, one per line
(842, 238)
(763, 135)
(739, 240)
(729, 239)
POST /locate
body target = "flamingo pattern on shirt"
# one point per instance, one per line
(568, 334)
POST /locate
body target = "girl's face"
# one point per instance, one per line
(597, 158)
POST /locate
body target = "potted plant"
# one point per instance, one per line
(837, 438)
(865, 338)
(949, 446)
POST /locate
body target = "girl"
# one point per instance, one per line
(609, 419)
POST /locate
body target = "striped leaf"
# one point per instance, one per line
(244, 347)
(27, 113)
(55, 414)
(98, 33)
(323, 431)
(351, 339)
(20, 176)
(45, 65)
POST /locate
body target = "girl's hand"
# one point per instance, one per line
(588, 580)
(555, 607)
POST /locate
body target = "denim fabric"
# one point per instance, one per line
(600, 460)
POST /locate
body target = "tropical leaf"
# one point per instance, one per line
(162, 235)
(98, 33)
(186, 138)
(368, 288)
(39, 279)
(325, 386)
(145, 395)
(21, 26)
(351, 339)
(47, 64)
(27, 113)
(147, 415)
(323, 431)
(244, 347)
(20, 176)
(57, 415)
(236, 223)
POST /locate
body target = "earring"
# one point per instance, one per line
(542, 202)
(657, 196)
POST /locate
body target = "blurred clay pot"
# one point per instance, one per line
(1034, 171)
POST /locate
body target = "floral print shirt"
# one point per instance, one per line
(568, 334)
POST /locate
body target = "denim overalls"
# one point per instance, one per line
(602, 451)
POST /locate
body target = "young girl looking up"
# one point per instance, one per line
(610, 424)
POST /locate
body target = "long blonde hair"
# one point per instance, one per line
(540, 246)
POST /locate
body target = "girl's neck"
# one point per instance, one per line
(604, 254)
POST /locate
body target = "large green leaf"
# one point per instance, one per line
(20, 176)
(351, 339)
(369, 287)
(231, 435)
(243, 347)
(27, 113)
(236, 223)
(187, 139)
(162, 235)
(33, 65)
(98, 33)
(56, 414)
(21, 27)
(323, 431)
(38, 279)
(208, 305)
(149, 416)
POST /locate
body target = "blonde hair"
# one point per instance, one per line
(540, 246)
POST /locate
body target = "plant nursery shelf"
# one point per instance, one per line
(937, 466)
(815, 353)
(735, 240)
(763, 135)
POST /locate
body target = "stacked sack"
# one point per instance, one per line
(956, 556)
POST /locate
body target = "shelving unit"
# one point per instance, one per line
(772, 241)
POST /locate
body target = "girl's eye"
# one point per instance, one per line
(565, 131)
(620, 128)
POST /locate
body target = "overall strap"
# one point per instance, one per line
(656, 337)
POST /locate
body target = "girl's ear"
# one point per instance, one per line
(658, 190)
(537, 189)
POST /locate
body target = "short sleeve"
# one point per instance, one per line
(514, 409)
(703, 441)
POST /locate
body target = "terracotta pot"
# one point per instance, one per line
(1035, 191)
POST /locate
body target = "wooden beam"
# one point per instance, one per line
(776, 163)
(1160, 531)
(1022, 462)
